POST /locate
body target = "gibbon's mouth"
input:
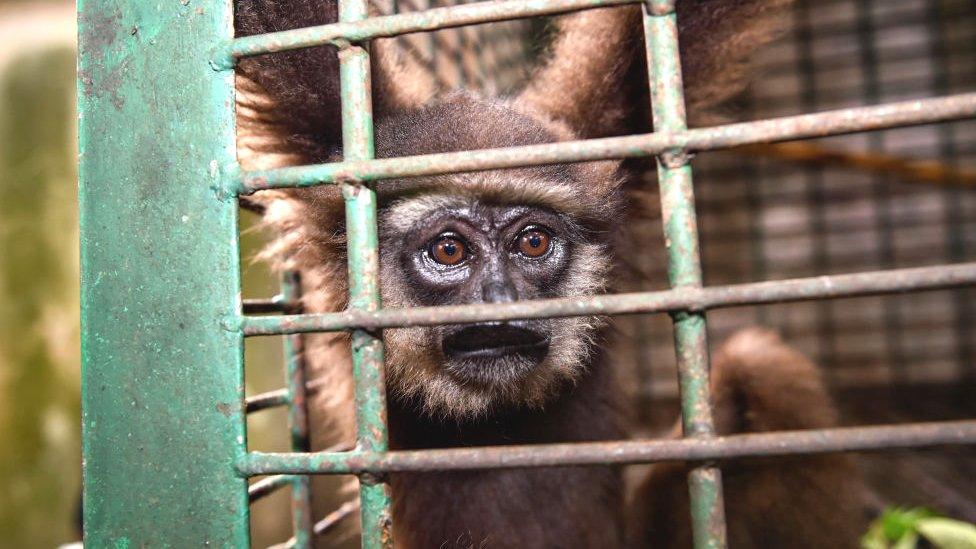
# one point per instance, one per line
(492, 341)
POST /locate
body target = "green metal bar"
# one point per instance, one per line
(680, 299)
(364, 293)
(783, 443)
(836, 122)
(162, 363)
(405, 23)
(336, 517)
(301, 489)
(268, 486)
(266, 401)
(684, 267)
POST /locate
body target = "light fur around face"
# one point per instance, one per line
(310, 230)
(415, 361)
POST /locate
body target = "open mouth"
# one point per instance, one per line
(487, 341)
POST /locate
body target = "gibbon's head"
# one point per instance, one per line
(486, 237)
(483, 237)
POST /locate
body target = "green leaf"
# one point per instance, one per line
(907, 541)
(875, 537)
(947, 533)
(897, 522)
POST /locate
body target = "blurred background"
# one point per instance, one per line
(40, 447)
(899, 198)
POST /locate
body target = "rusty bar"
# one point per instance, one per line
(336, 517)
(273, 305)
(264, 401)
(297, 392)
(363, 252)
(784, 443)
(684, 267)
(278, 397)
(827, 123)
(268, 486)
(404, 23)
(683, 299)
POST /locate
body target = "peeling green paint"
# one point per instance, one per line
(364, 267)
(684, 266)
(162, 380)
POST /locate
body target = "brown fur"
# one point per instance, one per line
(759, 384)
(596, 79)
(288, 114)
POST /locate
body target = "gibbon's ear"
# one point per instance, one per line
(595, 76)
(288, 102)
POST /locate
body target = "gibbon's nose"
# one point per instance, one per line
(497, 291)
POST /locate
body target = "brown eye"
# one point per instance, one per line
(534, 243)
(448, 250)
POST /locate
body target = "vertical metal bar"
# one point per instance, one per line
(814, 183)
(953, 200)
(684, 266)
(881, 195)
(162, 349)
(363, 248)
(755, 178)
(301, 494)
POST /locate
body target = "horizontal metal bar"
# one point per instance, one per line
(263, 401)
(278, 397)
(406, 23)
(849, 439)
(273, 305)
(836, 122)
(268, 486)
(681, 299)
(334, 518)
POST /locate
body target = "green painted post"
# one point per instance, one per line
(301, 485)
(684, 266)
(162, 376)
(364, 293)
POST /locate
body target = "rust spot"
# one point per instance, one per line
(346, 177)
(226, 408)
(98, 32)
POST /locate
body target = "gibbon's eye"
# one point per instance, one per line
(448, 250)
(534, 242)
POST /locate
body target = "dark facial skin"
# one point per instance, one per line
(489, 254)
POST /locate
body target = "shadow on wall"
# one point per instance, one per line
(40, 450)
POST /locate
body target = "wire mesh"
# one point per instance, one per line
(803, 212)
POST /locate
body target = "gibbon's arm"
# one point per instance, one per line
(760, 384)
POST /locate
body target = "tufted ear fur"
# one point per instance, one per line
(595, 79)
(288, 102)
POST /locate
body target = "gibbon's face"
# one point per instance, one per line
(480, 238)
(474, 253)
(441, 249)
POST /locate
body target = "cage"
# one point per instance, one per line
(892, 204)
